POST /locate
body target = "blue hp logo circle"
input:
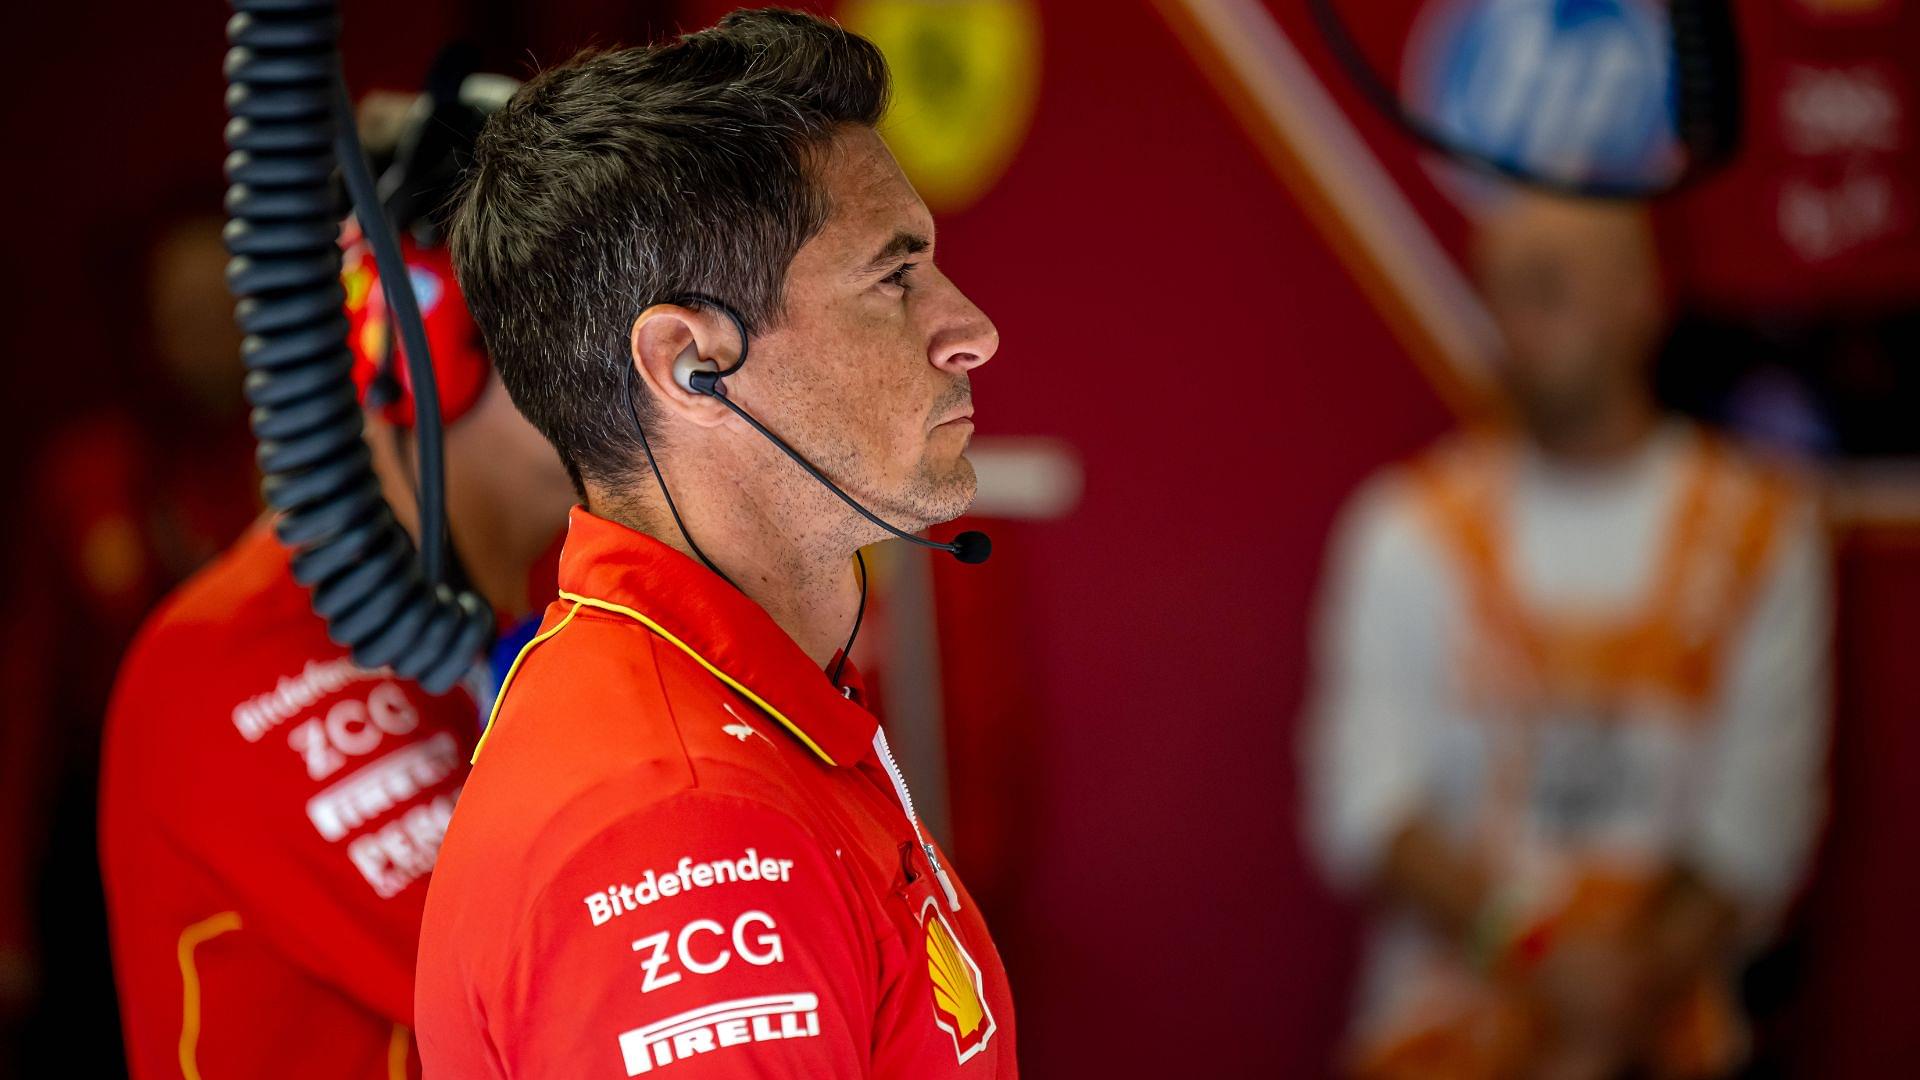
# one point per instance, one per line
(1570, 89)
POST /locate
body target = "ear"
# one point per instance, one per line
(661, 334)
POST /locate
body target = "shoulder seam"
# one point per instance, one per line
(506, 682)
(673, 715)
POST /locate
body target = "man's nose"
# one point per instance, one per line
(968, 339)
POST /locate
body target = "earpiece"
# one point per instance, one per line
(695, 375)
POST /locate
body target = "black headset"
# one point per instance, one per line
(698, 375)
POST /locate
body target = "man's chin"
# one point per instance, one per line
(942, 496)
(962, 487)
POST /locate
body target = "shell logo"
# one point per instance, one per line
(966, 77)
(959, 997)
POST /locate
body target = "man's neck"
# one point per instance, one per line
(803, 578)
(1609, 438)
(492, 538)
(497, 549)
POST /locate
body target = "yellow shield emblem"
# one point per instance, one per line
(966, 74)
(959, 995)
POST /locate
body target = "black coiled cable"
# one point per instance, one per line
(288, 113)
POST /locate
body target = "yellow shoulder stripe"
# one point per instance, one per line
(513, 669)
(190, 939)
(737, 685)
(397, 1046)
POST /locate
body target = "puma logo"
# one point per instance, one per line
(741, 729)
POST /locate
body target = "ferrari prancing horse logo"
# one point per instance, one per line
(959, 995)
(966, 76)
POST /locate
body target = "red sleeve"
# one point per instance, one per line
(322, 829)
(711, 933)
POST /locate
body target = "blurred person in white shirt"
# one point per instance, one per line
(1570, 716)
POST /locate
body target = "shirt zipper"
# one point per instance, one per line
(885, 753)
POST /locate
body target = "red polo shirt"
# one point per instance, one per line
(680, 852)
(269, 814)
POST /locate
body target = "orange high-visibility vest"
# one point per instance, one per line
(1520, 663)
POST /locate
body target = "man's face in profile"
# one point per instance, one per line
(868, 370)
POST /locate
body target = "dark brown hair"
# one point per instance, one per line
(630, 177)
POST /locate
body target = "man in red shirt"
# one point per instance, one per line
(269, 810)
(685, 848)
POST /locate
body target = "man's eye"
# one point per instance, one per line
(899, 277)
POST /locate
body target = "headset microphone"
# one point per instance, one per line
(699, 376)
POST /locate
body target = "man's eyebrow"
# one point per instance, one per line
(903, 243)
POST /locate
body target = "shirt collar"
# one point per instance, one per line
(609, 566)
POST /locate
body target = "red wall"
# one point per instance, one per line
(1168, 310)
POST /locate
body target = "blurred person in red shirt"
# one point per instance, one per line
(124, 500)
(1571, 707)
(685, 847)
(270, 810)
